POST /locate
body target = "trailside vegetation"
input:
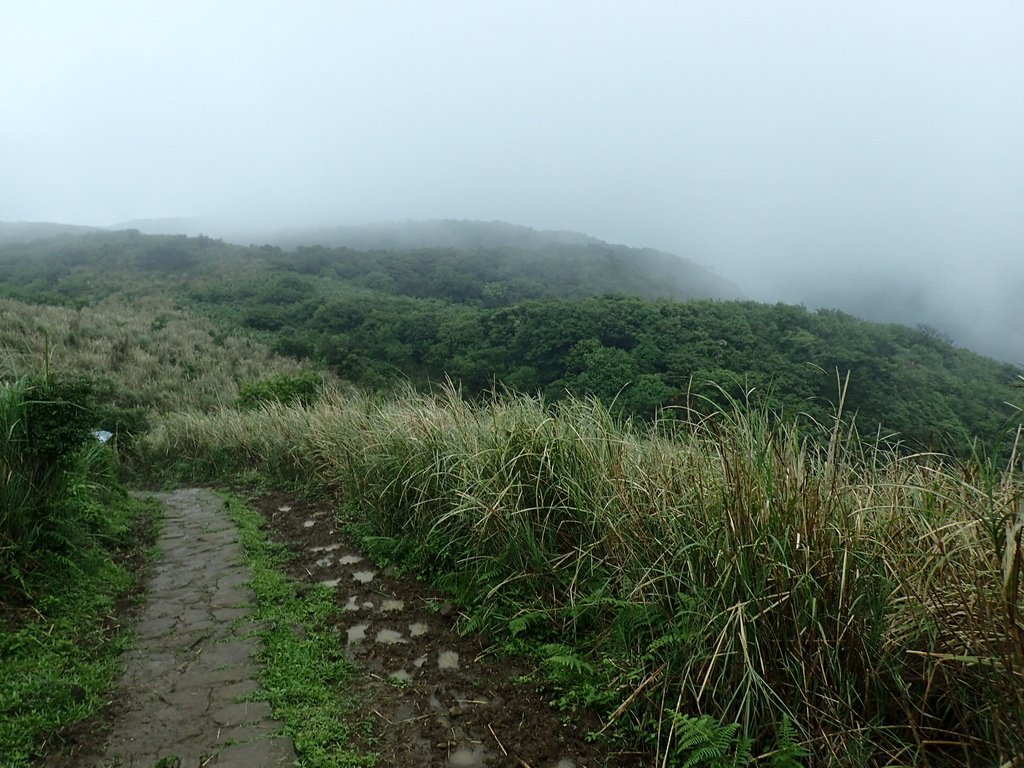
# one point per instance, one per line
(304, 674)
(45, 458)
(67, 529)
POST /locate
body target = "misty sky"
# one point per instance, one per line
(767, 139)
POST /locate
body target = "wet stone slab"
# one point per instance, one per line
(190, 665)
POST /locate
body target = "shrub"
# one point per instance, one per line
(45, 423)
(59, 417)
(300, 388)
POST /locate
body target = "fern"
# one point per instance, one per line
(790, 753)
(384, 550)
(479, 619)
(526, 621)
(705, 742)
(564, 664)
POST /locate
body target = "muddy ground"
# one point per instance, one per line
(439, 698)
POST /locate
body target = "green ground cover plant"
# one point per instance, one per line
(304, 673)
(721, 585)
(59, 659)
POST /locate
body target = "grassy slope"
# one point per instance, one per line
(71, 542)
(142, 353)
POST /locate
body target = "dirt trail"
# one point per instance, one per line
(439, 698)
(190, 663)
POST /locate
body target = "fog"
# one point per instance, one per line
(864, 155)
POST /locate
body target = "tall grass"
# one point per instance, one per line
(51, 475)
(725, 587)
(64, 527)
(17, 490)
(143, 353)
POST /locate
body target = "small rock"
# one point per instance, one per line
(447, 660)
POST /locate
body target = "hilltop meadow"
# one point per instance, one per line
(743, 534)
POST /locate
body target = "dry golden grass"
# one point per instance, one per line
(149, 353)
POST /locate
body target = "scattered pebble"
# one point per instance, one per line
(390, 637)
(418, 629)
(467, 757)
(352, 604)
(357, 632)
(308, 523)
(285, 508)
(349, 559)
(330, 582)
(364, 577)
(392, 605)
(448, 660)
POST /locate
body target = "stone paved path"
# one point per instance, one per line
(190, 664)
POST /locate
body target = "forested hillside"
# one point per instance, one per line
(556, 316)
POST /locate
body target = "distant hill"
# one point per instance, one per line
(175, 225)
(488, 251)
(495, 251)
(564, 267)
(389, 235)
(27, 231)
(988, 318)
(437, 233)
